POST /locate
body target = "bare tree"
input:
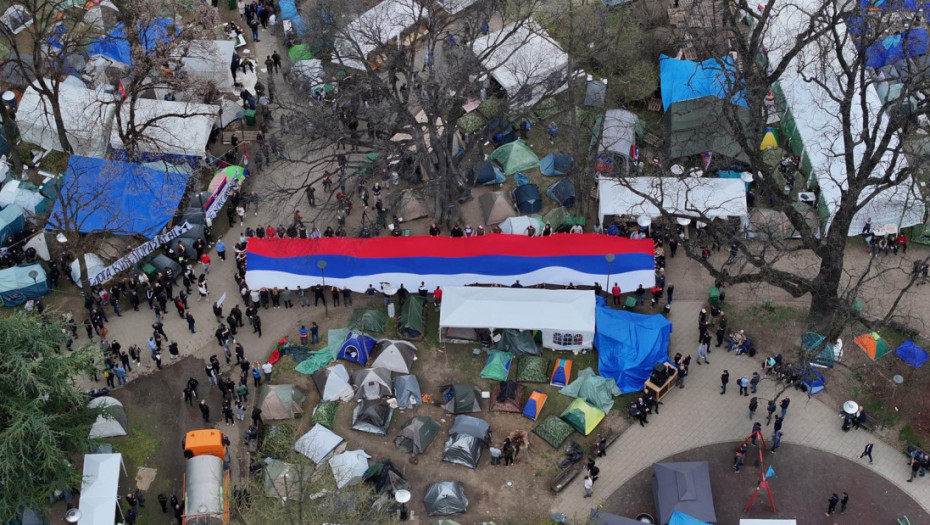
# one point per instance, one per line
(851, 156)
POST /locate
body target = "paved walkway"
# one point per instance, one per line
(699, 416)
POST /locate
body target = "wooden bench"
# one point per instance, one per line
(565, 476)
(243, 136)
(655, 104)
(652, 140)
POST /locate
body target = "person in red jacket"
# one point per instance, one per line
(437, 296)
(615, 292)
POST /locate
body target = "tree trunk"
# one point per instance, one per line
(828, 309)
(12, 137)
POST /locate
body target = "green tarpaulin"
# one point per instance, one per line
(411, 317)
(515, 156)
(533, 369)
(300, 52)
(321, 358)
(553, 431)
(471, 122)
(497, 366)
(698, 125)
(368, 320)
(596, 390)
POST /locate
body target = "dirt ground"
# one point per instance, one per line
(490, 496)
(804, 479)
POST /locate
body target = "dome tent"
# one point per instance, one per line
(396, 356)
(373, 416)
(333, 383)
(417, 434)
(356, 348)
(372, 383)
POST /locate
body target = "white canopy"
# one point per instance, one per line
(209, 61)
(87, 116)
(13, 193)
(810, 85)
(99, 489)
(518, 225)
(552, 311)
(377, 27)
(619, 132)
(524, 61)
(174, 128)
(686, 197)
(349, 467)
(111, 425)
(317, 443)
(745, 521)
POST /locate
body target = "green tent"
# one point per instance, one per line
(417, 434)
(300, 52)
(556, 217)
(583, 416)
(515, 156)
(533, 369)
(411, 318)
(553, 431)
(703, 124)
(497, 366)
(368, 320)
(596, 390)
(518, 342)
(284, 480)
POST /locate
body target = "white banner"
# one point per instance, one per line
(221, 299)
(219, 200)
(138, 254)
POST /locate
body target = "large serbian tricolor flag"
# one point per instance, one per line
(580, 259)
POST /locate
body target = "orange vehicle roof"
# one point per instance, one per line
(202, 442)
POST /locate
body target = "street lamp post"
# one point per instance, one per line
(610, 258)
(321, 264)
(897, 380)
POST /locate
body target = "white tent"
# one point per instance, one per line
(317, 443)
(518, 225)
(349, 467)
(745, 521)
(13, 193)
(333, 383)
(94, 264)
(17, 18)
(809, 85)
(209, 61)
(555, 312)
(687, 197)
(108, 425)
(524, 61)
(375, 28)
(454, 6)
(87, 116)
(100, 489)
(174, 129)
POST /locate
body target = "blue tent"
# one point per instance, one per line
(118, 196)
(895, 48)
(812, 380)
(685, 80)
(488, 173)
(115, 45)
(629, 344)
(527, 198)
(21, 283)
(562, 192)
(556, 164)
(356, 348)
(912, 354)
(12, 221)
(680, 518)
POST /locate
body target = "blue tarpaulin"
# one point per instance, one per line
(686, 80)
(884, 5)
(680, 518)
(288, 9)
(629, 344)
(912, 354)
(895, 48)
(115, 45)
(118, 196)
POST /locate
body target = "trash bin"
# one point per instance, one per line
(713, 296)
(233, 4)
(249, 115)
(630, 303)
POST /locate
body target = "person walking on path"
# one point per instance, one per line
(588, 487)
(744, 386)
(257, 416)
(778, 423)
(753, 406)
(756, 431)
(702, 353)
(771, 410)
(867, 451)
(188, 395)
(256, 376)
(615, 292)
(784, 406)
(754, 381)
(724, 379)
(776, 440)
(915, 467)
(205, 411)
(738, 459)
(844, 502)
(228, 415)
(831, 504)
(266, 368)
(190, 322)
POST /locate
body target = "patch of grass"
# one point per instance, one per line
(285, 370)
(908, 435)
(278, 441)
(137, 447)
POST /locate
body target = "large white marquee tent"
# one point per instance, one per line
(551, 311)
(684, 197)
(375, 28)
(87, 115)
